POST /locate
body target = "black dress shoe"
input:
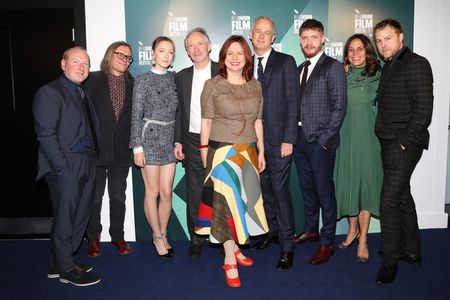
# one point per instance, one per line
(265, 243)
(195, 250)
(286, 261)
(386, 274)
(411, 258)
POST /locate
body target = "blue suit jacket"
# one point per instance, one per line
(324, 102)
(60, 124)
(281, 92)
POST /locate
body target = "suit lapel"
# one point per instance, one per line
(128, 95)
(316, 70)
(271, 61)
(106, 95)
(187, 93)
(74, 96)
(387, 74)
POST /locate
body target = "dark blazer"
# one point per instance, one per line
(281, 92)
(114, 135)
(324, 102)
(405, 101)
(183, 80)
(60, 124)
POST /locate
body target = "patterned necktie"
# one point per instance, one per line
(260, 68)
(88, 112)
(304, 77)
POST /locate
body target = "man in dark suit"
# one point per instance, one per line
(66, 127)
(111, 91)
(190, 83)
(279, 79)
(405, 105)
(321, 113)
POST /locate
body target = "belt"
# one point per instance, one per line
(149, 121)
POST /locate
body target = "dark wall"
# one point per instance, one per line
(76, 5)
(33, 35)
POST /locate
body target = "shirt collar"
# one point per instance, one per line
(265, 55)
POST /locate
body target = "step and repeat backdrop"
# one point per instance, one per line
(145, 20)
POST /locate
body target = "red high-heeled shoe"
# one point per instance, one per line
(246, 262)
(232, 282)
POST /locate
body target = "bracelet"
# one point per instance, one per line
(202, 147)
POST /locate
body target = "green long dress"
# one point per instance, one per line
(358, 171)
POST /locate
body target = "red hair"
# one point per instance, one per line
(247, 72)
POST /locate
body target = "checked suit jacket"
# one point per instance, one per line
(324, 102)
(281, 92)
(405, 100)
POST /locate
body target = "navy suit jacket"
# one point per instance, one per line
(114, 138)
(324, 102)
(281, 92)
(405, 101)
(183, 80)
(60, 124)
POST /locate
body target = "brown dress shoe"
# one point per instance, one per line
(322, 255)
(123, 247)
(306, 237)
(94, 248)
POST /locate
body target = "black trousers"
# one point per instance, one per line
(195, 175)
(398, 217)
(71, 194)
(276, 193)
(117, 184)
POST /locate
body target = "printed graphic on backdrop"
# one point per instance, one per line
(145, 20)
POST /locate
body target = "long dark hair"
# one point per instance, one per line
(105, 65)
(372, 64)
(247, 72)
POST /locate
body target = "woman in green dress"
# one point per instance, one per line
(358, 171)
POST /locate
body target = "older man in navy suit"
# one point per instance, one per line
(321, 112)
(66, 128)
(279, 79)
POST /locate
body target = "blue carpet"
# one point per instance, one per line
(142, 275)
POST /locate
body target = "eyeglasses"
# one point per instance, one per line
(124, 57)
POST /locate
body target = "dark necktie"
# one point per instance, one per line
(87, 110)
(304, 77)
(260, 68)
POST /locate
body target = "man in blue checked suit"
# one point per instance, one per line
(323, 100)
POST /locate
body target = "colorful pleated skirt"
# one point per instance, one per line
(231, 207)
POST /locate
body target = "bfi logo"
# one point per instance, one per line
(178, 26)
(299, 19)
(363, 23)
(144, 54)
(240, 25)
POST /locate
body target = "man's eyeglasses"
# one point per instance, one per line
(124, 57)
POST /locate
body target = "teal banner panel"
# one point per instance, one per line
(145, 20)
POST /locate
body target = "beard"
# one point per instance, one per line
(312, 51)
